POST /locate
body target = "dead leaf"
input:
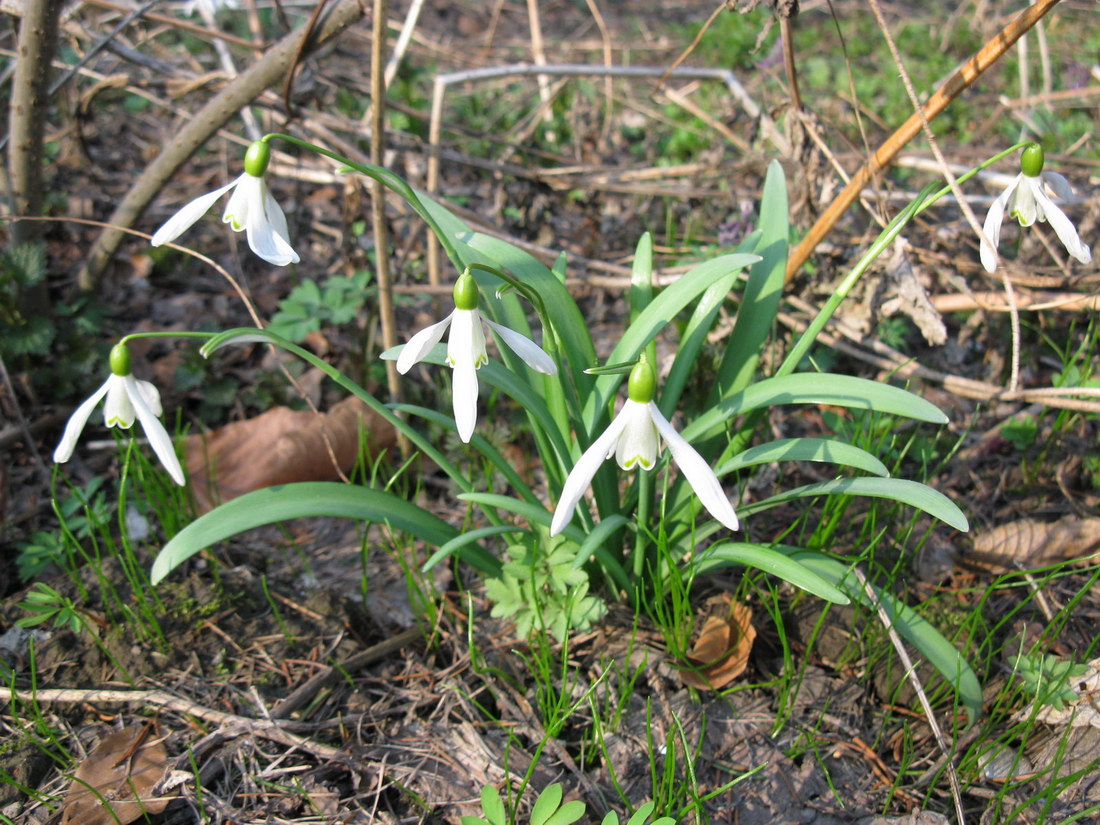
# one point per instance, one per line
(279, 447)
(1027, 543)
(113, 785)
(721, 651)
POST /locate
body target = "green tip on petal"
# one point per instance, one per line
(1031, 161)
(256, 158)
(466, 292)
(120, 360)
(642, 384)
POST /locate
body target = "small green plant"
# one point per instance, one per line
(79, 512)
(1021, 431)
(549, 810)
(541, 587)
(1048, 678)
(43, 603)
(311, 306)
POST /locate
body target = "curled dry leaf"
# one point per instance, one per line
(1027, 543)
(721, 651)
(279, 447)
(114, 784)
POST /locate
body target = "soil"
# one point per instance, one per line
(823, 727)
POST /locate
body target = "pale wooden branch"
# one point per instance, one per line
(27, 115)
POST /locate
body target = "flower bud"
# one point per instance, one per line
(1031, 161)
(642, 384)
(466, 292)
(256, 158)
(119, 360)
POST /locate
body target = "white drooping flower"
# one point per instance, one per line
(466, 351)
(1026, 200)
(210, 6)
(251, 208)
(633, 438)
(126, 398)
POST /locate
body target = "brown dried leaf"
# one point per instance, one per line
(721, 651)
(113, 786)
(279, 447)
(1028, 543)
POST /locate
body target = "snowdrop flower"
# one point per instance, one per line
(251, 208)
(466, 351)
(210, 6)
(1026, 200)
(126, 397)
(632, 438)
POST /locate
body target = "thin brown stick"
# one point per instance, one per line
(175, 23)
(952, 88)
(378, 205)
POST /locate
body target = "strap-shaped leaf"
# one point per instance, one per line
(910, 625)
(818, 388)
(806, 449)
(769, 560)
(908, 492)
(302, 500)
(460, 541)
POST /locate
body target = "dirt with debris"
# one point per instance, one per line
(282, 693)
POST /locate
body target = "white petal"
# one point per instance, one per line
(421, 344)
(150, 395)
(158, 437)
(992, 230)
(580, 477)
(75, 425)
(1058, 185)
(464, 400)
(118, 410)
(531, 353)
(697, 472)
(638, 443)
(1063, 228)
(186, 217)
(245, 199)
(466, 344)
(277, 220)
(1024, 207)
(263, 236)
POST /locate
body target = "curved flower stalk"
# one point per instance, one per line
(1026, 200)
(632, 437)
(251, 208)
(466, 351)
(126, 398)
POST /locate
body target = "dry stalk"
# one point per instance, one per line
(914, 680)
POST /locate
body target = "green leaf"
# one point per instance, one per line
(910, 625)
(546, 804)
(908, 492)
(460, 541)
(493, 806)
(695, 333)
(600, 533)
(769, 560)
(818, 388)
(312, 498)
(537, 514)
(653, 319)
(762, 292)
(570, 812)
(805, 449)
